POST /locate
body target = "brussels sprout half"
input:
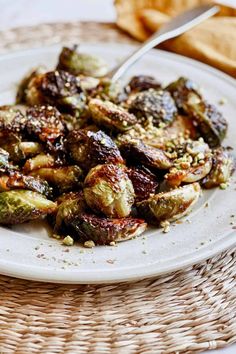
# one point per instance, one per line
(210, 122)
(143, 83)
(223, 167)
(170, 205)
(103, 231)
(139, 153)
(111, 116)
(108, 190)
(18, 206)
(79, 63)
(89, 149)
(144, 182)
(157, 105)
(184, 91)
(74, 218)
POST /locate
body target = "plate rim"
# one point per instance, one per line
(112, 276)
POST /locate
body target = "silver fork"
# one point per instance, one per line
(174, 28)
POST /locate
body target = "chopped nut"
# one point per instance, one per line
(223, 185)
(89, 244)
(68, 241)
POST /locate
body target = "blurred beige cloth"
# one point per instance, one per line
(212, 42)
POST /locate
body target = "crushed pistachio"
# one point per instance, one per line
(68, 241)
(89, 244)
(223, 186)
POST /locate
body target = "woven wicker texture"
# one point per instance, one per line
(184, 312)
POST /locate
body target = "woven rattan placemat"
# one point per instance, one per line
(183, 312)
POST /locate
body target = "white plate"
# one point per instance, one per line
(26, 251)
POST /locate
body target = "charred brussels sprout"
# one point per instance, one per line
(12, 120)
(170, 205)
(159, 105)
(184, 91)
(111, 116)
(27, 89)
(61, 178)
(137, 152)
(79, 63)
(45, 124)
(143, 83)
(18, 206)
(103, 231)
(222, 168)
(63, 90)
(210, 122)
(89, 149)
(108, 90)
(144, 182)
(108, 190)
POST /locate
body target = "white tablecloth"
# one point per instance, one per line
(16, 13)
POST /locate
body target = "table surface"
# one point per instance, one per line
(30, 12)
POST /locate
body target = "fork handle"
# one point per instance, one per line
(174, 28)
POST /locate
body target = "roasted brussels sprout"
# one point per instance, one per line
(184, 91)
(159, 105)
(222, 168)
(74, 217)
(170, 205)
(89, 149)
(12, 120)
(108, 190)
(61, 178)
(108, 90)
(40, 161)
(79, 63)
(111, 116)
(210, 122)
(18, 206)
(16, 180)
(144, 182)
(139, 153)
(143, 83)
(63, 90)
(45, 123)
(103, 231)
(27, 89)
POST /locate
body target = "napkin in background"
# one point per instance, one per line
(212, 42)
